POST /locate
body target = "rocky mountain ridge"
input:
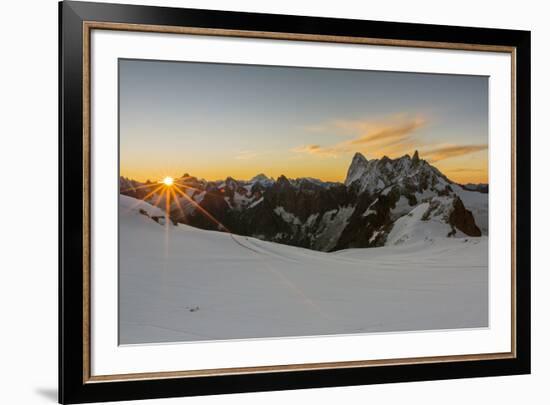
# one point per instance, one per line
(361, 212)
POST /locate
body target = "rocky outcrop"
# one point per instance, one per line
(462, 219)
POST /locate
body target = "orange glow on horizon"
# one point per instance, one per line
(333, 170)
(471, 168)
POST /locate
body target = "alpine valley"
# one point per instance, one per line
(382, 202)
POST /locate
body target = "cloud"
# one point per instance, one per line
(450, 151)
(317, 150)
(307, 148)
(379, 132)
(393, 135)
(464, 170)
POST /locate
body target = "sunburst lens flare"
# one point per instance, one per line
(168, 181)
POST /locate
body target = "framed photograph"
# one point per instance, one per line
(256, 202)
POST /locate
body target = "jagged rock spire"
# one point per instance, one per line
(415, 158)
(282, 180)
(357, 168)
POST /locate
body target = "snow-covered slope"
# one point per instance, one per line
(427, 222)
(179, 283)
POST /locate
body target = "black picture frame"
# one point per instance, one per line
(73, 387)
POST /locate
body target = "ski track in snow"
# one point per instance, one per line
(179, 283)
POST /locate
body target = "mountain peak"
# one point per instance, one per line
(377, 174)
(415, 158)
(231, 183)
(282, 180)
(259, 177)
(358, 166)
(359, 158)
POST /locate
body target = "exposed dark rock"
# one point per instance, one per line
(415, 158)
(463, 220)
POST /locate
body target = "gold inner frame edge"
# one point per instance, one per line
(86, 158)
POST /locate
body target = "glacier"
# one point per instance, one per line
(178, 283)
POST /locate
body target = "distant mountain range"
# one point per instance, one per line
(382, 202)
(482, 188)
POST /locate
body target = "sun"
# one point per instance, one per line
(168, 181)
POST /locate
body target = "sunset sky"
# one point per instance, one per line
(219, 120)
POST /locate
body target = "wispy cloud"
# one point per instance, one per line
(318, 150)
(465, 170)
(392, 136)
(450, 151)
(389, 136)
(389, 133)
(306, 149)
